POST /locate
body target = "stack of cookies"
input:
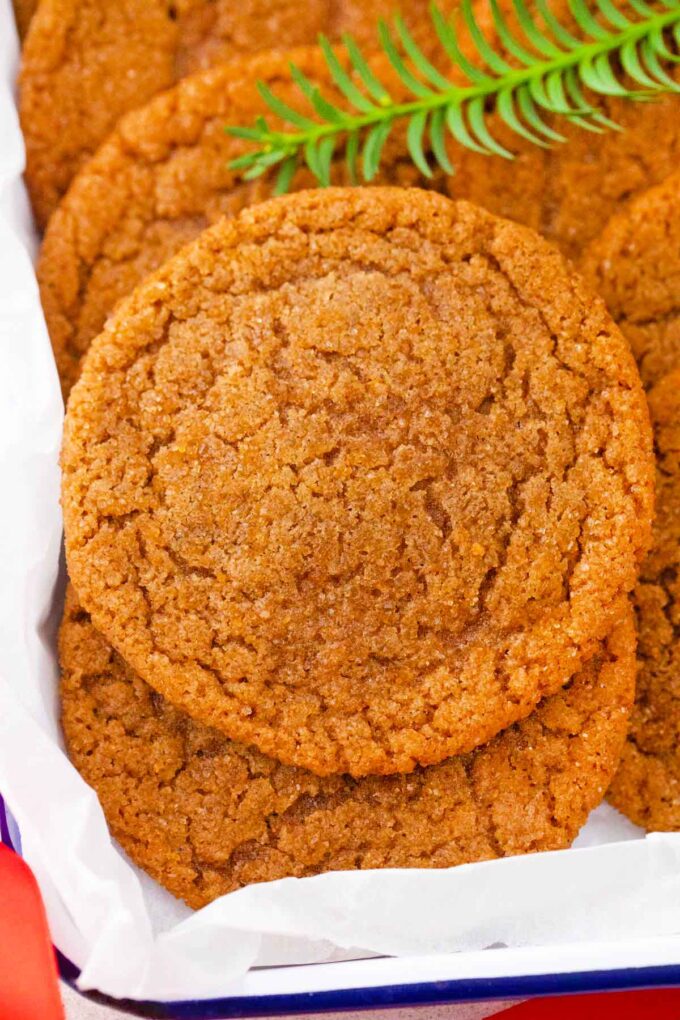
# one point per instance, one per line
(357, 482)
(355, 488)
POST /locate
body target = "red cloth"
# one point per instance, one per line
(654, 1005)
(28, 970)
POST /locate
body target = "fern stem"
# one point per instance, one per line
(385, 112)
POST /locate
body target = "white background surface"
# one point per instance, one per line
(605, 905)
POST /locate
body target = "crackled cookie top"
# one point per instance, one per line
(205, 815)
(635, 266)
(647, 785)
(570, 192)
(160, 178)
(163, 175)
(87, 62)
(357, 477)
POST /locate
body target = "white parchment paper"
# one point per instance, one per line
(614, 901)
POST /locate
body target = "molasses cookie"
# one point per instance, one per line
(570, 192)
(635, 266)
(160, 178)
(204, 815)
(163, 175)
(87, 62)
(358, 477)
(647, 784)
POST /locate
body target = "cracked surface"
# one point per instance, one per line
(647, 785)
(163, 175)
(569, 193)
(635, 266)
(87, 62)
(161, 178)
(358, 477)
(204, 815)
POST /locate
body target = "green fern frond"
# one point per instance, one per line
(621, 52)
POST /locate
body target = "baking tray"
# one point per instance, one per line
(409, 993)
(371, 984)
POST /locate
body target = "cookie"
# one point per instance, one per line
(87, 62)
(635, 265)
(647, 784)
(158, 180)
(163, 175)
(204, 815)
(23, 12)
(570, 192)
(358, 477)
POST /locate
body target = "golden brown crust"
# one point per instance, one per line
(204, 815)
(569, 193)
(635, 266)
(158, 180)
(163, 175)
(647, 785)
(87, 62)
(358, 477)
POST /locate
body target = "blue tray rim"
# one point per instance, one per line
(427, 993)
